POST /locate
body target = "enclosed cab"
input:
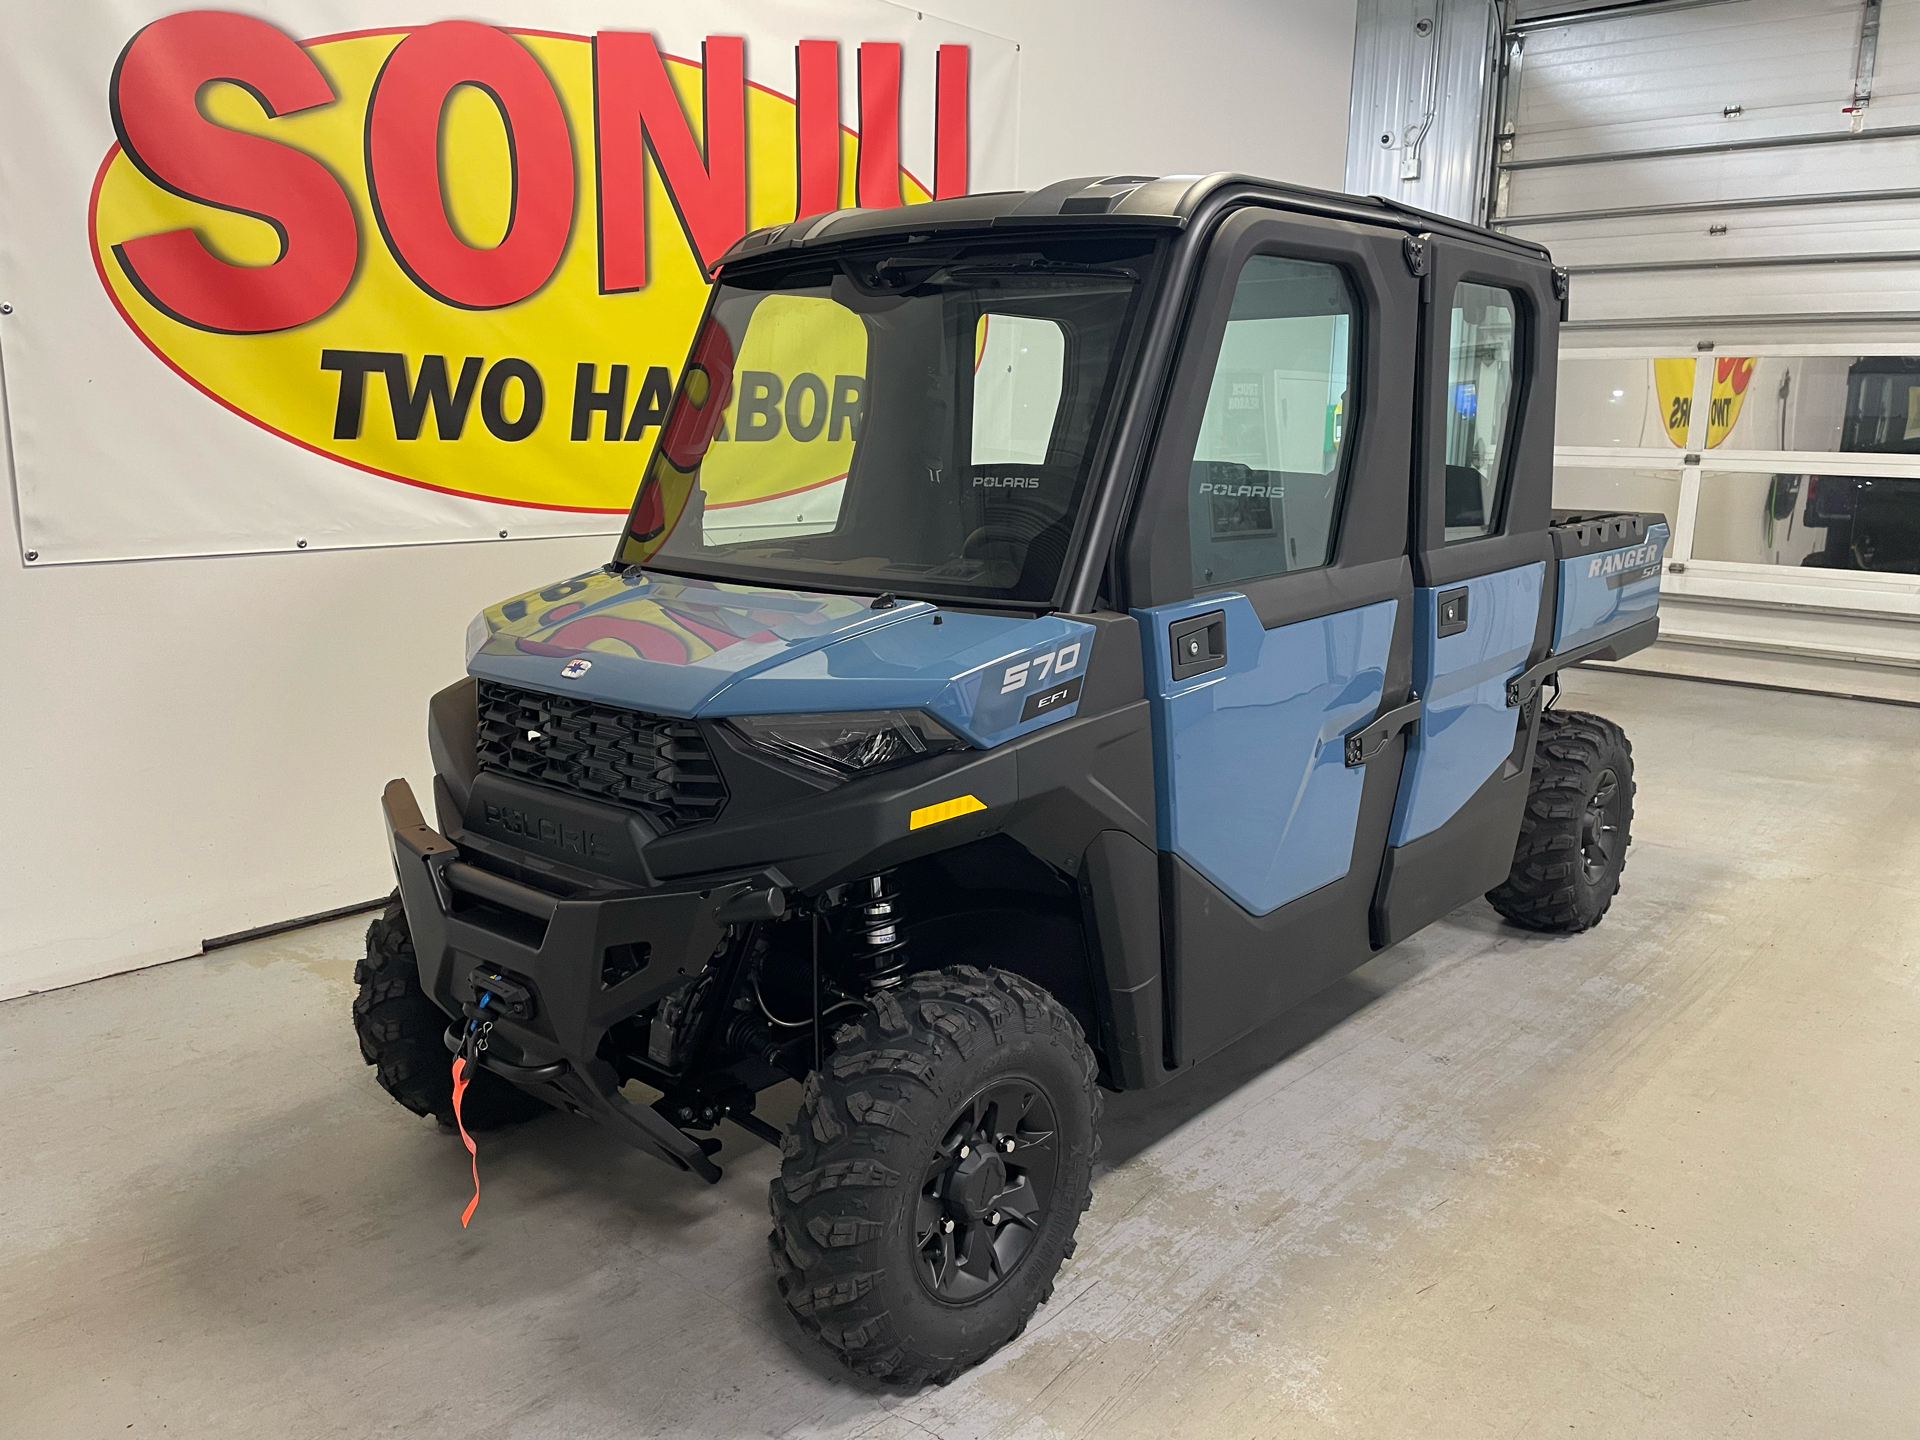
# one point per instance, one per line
(1054, 633)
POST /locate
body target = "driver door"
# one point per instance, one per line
(1267, 566)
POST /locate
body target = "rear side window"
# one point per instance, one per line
(1266, 470)
(1480, 377)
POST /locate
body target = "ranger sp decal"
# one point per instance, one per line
(1623, 567)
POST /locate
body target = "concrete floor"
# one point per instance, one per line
(1659, 1179)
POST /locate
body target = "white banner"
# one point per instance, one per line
(336, 273)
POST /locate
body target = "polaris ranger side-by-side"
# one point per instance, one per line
(1055, 633)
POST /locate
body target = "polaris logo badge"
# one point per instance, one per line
(1006, 482)
(569, 838)
(574, 669)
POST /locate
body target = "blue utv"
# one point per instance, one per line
(1055, 633)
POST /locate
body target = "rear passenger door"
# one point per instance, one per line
(1267, 566)
(1482, 556)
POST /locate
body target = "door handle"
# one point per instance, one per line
(1199, 644)
(1450, 612)
(1370, 739)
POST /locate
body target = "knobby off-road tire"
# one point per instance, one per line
(1574, 832)
(960, 1113)
(400, 1032)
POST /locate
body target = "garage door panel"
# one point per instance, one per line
(1663, 79)
(1744, 298)
(1752, 237)
(1799, 290)
(1598, 490)
(1848, 166)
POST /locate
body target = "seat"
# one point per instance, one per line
(1465, 489)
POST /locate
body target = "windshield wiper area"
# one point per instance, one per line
(1013, 265)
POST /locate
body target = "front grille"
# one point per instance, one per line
(653, 763)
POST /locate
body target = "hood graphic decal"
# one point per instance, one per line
(673, 646)
(667, 620)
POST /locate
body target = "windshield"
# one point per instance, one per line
(922, 423)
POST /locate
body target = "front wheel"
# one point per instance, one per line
(936, 1173)
(401, 1035)
(1574, 833)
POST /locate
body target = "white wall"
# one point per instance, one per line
(1147, 88)
(195, 747)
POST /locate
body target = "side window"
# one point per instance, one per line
(1265, 479)
(1480, 361)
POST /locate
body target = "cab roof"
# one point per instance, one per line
(1169, 201)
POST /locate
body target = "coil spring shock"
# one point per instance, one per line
(878, 938)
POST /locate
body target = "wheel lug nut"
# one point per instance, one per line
(946, 1227)
(1007, 1144)
(994, 1218)
(965, 1150)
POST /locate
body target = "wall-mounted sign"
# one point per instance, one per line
(1732, 374)
(1673, 381)
(448, 269)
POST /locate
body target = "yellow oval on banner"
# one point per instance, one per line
(1673, 382)
(568, 426)
(798, 399)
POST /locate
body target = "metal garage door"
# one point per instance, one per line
(1735, 186)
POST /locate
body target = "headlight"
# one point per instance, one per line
(478, 632)
(854, 743)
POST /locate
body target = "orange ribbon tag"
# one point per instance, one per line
(459, 1092)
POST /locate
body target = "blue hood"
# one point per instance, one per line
(674, 646)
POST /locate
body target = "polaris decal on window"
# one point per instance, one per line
(1006, 482)
(1258, 492)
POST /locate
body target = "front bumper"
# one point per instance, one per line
(575, 958)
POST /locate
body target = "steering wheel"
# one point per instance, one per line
(1002, 532)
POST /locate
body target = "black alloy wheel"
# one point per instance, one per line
(1599, 828)
(931, 1184)
(985, 1193)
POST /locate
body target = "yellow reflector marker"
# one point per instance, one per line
(946, 810)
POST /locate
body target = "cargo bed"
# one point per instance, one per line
(1609, 580)
(1607, 591)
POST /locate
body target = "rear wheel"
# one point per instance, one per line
(936, 1173)
(401, 1032)
(1577, 824)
